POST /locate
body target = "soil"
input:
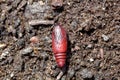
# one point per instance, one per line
(93, 29)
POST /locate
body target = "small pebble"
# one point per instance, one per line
(91, 59)
(41, 3)
(12, 75)
(20, 35)
(26, 51)
(71, 73)
(105, 38)
(89, 46)
(36, 7)
(2, 46)
(4, 54)
(86, 74)
(34, 39)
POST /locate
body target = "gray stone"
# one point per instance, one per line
(4, 54)
(90, 46)
(71, 73)
(26, 51)
(86, 73)
(105, 37)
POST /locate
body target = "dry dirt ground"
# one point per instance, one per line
(93, 28)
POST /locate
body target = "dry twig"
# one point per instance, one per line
(41, 22)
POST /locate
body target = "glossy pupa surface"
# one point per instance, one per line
(59, 45)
